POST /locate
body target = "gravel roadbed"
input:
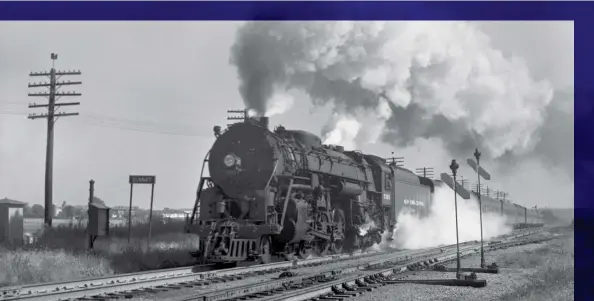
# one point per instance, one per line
(166, 295)
(507, 281)
(173, 293)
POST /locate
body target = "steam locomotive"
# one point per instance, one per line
(283, 192)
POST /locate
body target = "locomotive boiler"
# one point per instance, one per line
(283, 192)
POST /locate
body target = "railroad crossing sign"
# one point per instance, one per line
(141, 179)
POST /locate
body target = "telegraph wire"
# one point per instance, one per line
(107, 121)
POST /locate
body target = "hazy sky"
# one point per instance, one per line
(152, 91)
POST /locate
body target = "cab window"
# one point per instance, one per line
(388, 181)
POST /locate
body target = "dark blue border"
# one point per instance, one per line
(302, 10)
(584, 155)
(581, 12)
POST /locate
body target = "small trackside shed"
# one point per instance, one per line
(11, 222)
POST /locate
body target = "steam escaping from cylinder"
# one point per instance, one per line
(439, 227)
(366, 227)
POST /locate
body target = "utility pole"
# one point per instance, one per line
(395, 161)
(51, 116)
(244, 115)
(477, 189)
(465, 183)
(498, 196)
(425, 172)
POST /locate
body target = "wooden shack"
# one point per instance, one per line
(98, 220)
(11, 222)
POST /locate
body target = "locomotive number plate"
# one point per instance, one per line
(386, 196)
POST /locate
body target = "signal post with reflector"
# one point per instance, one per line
(141, 179)
(454, 168)
(480, 172)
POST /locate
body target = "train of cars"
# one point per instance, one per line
(283, 192)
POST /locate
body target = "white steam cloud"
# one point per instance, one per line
(279, 104)
(344, 131)
(441, 79)
(439, 227)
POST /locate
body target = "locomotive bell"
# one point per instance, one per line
(217, 131)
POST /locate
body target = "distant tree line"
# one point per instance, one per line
(548, 216)
(68, 211)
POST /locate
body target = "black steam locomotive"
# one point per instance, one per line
(283, 192)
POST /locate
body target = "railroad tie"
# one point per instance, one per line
(343, 295)
(350, 293)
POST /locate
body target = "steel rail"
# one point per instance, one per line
(427, 256)
(281, 283)
(140, 280)
(356, 283)
(108, 285)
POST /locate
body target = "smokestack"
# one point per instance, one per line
(264, 121)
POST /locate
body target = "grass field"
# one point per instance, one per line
(32, 225)
(554, 276)
(61, 254)
(564, 215)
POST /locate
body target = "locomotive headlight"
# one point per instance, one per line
(229, 160)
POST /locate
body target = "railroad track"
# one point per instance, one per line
(335, 286)
(266, 287)
(126, 285)
(133, 281)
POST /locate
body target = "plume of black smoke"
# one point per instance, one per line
(417, 79)
(259, 67)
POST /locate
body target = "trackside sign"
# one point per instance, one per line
(142, 179)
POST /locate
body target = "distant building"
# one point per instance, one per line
(57, 211)
(122, 211)
(176, 213)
